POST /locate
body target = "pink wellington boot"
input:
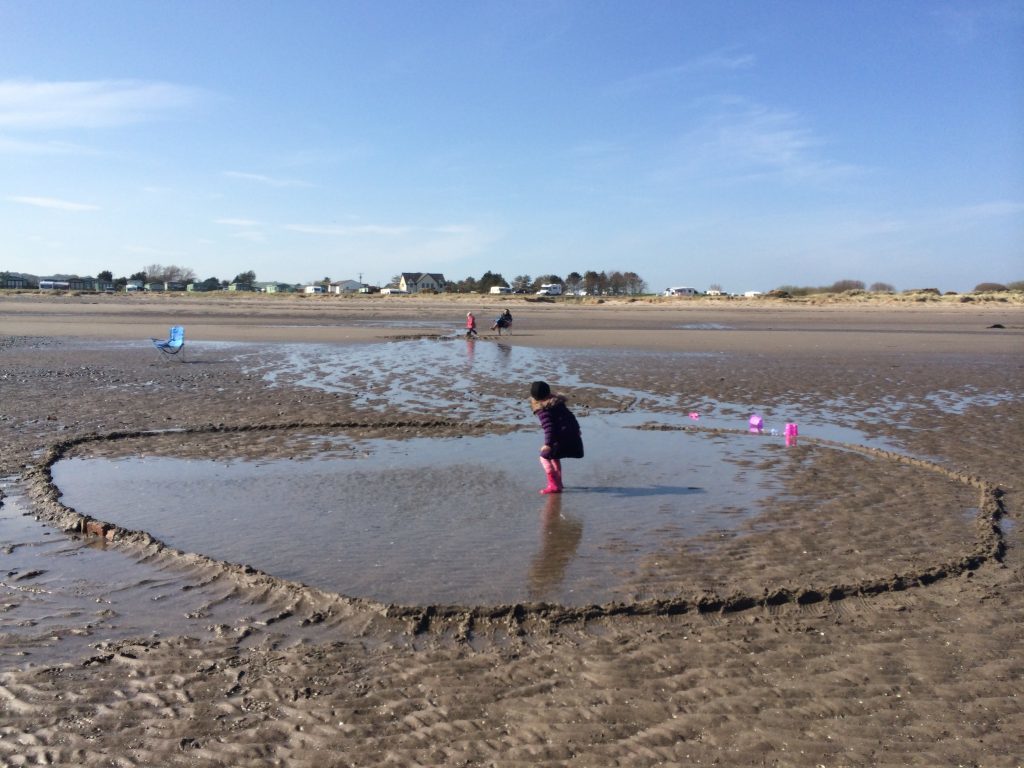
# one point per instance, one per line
(553, 485)
(556, 465)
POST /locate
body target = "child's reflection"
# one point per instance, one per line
(559, 538)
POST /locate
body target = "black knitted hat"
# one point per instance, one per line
(540, 390)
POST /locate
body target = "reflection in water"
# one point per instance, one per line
(559, 539)
(504, 354)
(470, 349)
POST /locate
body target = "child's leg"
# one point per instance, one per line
(556, 465)
(553, 485)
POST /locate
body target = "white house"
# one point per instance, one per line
(681, 290)
(417, 282)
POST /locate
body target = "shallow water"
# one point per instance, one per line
(449, 520)
(452, 520)
(484, 380)
(60, 595)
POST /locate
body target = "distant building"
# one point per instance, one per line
(344, 286)
(240, 287)
(14, 281)
(313, 289)
(79, 284)
(681, 290)
(419, 282)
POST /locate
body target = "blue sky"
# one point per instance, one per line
(748, 144)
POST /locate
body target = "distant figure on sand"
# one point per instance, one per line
(504, 320)
(562, 436)
(470, 326)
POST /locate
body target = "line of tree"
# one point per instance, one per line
(1017, 285)
(842, 286)
(839, 286)
(591, 283)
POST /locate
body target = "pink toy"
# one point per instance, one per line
(694, 415)
(756, 423)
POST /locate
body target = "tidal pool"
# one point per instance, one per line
(443, 520)
(458, 520)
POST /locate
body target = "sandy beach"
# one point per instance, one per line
(872, 614)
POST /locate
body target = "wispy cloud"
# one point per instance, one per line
(454, 229)
(383, 230)
(348, 231)
(739, 142)
(150, 252)
(968, 24)
(267, 180)
(598, 149)
(990, 210)
(52, 202)
(766, 138)
(251, 235)
(238, 222)
(9, 146)
(721, 61)
(34, 105)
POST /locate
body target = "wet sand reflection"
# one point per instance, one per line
(559, 541)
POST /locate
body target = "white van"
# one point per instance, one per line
(680, 291)
(550, 289)
(500, 289)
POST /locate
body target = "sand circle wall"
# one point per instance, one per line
(804, 540)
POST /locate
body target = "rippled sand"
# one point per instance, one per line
(866, 611)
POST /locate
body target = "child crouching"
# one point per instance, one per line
(562, 436)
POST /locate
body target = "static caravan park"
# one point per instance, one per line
(680, 291)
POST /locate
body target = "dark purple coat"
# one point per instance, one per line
(561, 430)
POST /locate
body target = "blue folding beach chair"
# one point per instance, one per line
(174, 343)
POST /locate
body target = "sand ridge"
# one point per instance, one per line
(988, 546)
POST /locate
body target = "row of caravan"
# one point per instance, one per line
(547, 289)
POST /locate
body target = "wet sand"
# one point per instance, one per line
(856, 621)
